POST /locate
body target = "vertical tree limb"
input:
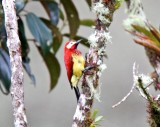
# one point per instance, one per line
(104, 10)
(14, 47)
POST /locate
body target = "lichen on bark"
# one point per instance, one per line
(98, 40)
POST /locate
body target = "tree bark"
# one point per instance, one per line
(104, 10)
(14, 47)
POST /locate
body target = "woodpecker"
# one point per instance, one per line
(74, 63)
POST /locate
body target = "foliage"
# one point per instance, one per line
(148, 36)
(96, 119)
(47, 36)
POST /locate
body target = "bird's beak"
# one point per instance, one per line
(77, 42)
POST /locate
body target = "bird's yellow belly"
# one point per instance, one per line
(78, 67)
(77, 70)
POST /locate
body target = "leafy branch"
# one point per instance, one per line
(148, 36)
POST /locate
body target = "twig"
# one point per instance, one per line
(140, 84)
(125, 97)
(14, 47)
(129, 93)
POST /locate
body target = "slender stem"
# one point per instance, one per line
(140, 84)
(14, 47)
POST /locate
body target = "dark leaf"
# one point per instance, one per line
(53, 68)
(25, 49)
(3, 34)
(3, 37)
(40, 31)
(87, 22)
(26, 66)
(20, 4)
(52, 10)
(57, 35)
(57, 43)
(89, 2)
(22, 37)
(5, 71)
(1, 14)
(61, 15)
(84, 40)
(72, 16)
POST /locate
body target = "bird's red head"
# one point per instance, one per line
(72, 44)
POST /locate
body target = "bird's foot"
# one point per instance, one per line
(88, 69)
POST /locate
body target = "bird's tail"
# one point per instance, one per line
(76, 89)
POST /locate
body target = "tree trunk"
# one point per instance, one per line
(104, 10)
(14, 47)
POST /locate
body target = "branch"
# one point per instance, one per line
(137, 18)
(14, 47)
(125, 97)
(104, 10)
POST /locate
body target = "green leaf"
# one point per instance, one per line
(72, 16)
(57, 35)
(40, 31)
(53, 68)
(146, 32)
(52, 10)
(98, 119)
(118, 3)
(20, 4)
(155, 32)
(61, 15)
(94, 114)
(84, 40)
(87, 22)
(95, 119)
(89, 2)
(56, 44)
(27, 68)
(5, 71)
